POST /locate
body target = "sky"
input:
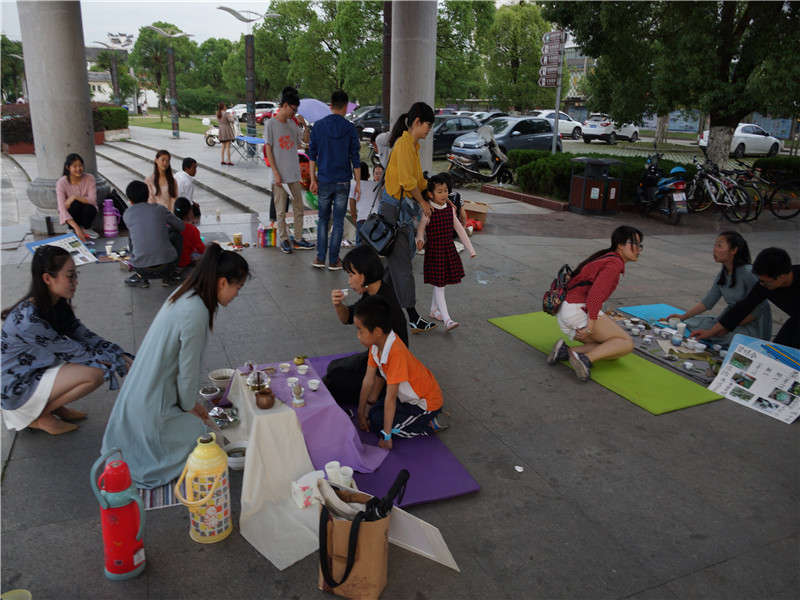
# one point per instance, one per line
(100, 17)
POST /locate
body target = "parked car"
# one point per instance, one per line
(267, 114)
(600, 126)
(466, 113)
(366, 116)
(238, 110)
(445, 111)
(749, 139)
(446, 128)
(261, 106)
(483, 117)
(510, 133)
(566, 124)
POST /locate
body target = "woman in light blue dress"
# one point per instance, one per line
(733, 283)
(156, 419)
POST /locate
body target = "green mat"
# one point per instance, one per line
(646, 384)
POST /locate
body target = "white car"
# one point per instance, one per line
(749, 139)
(567, 126)
(600, 126)
(240, 110)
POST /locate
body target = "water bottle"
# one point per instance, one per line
(111, 219)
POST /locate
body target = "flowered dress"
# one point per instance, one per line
(442, 263)
(29, 346)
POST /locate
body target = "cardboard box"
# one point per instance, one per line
(476, 211)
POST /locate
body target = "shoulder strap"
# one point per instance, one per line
(323, 547)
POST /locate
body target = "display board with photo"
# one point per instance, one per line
(761, 375)
(70, 242)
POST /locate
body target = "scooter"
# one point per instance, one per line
(465, 168)
(212, 133)
(664, 195)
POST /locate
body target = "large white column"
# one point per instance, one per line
(414, 62)
(58, 89)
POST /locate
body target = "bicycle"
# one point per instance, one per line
(783, 196)
(709, 187)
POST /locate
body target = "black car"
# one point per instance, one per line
(367, 116)
(446, 128)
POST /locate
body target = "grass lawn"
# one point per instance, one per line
(187, 124)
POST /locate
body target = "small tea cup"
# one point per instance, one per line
(717, 347)
(676, 340)
(673, 322)
(723, 353)
(292, 381)
(688, 365)
(313, 384)
(647, 339)
(302, 369)
(284, 367)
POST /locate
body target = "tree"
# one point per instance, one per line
(359, 27)
(513, 66)
(209, 61)
(149, 54)
(12, 69)
(725, 58)
(462, 41)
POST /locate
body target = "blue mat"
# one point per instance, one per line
(651, 312)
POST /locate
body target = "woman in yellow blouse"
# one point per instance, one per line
(402, 200)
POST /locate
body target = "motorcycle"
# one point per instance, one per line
(664, 195)
(465, 167)
(212, 133)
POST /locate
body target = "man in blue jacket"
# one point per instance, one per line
(335, 150)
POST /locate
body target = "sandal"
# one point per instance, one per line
(450, 325)
(437, 315)
(61, 428)
(421, 325)
(69, 414)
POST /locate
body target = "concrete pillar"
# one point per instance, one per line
(414, 62)
(58, 86)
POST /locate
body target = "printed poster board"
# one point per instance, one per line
(70, 242)
(761, 375)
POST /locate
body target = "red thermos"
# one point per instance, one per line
(122, 517)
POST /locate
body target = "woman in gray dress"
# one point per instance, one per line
(733, 283)
(156, 419)
(225, 120)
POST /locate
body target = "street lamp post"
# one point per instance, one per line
(173, 91)
(249, 62)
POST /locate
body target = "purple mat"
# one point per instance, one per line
(435, 473)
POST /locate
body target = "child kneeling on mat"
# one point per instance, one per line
(413, 399)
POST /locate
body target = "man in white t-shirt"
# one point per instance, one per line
(185, 179)
(282, 136)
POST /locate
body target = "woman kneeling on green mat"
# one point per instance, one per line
(579, 315)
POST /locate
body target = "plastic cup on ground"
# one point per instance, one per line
(681, 327)
(237, 239)
(332, 471)
(109, 249)
(346, 476)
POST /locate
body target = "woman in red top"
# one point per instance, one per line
(580, 317)
(193, 246)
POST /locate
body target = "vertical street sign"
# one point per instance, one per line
(550, 75)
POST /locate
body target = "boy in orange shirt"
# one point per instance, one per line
(413, 397)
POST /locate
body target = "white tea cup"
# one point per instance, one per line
(647, 339)
(689, 365)
(302, 369)
(723, 353)
(673, 322)
(284, 367)
(313, 384)
(346, 476)
(332, 471)
(292, 381)
(717, 347)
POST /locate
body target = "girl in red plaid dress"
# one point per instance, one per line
(442, 264)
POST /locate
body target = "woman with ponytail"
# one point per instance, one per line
(579, 315)
(733, 283)
(402, 201)
(157, 419)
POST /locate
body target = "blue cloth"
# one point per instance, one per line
(150, 422)
(30, 346)
(335, 148)
(332, 196)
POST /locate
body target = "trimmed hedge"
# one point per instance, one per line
(790, 165)
(540, 172)
(113, 117)
(17, 125)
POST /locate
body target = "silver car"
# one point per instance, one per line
(749, 139)
(511, 133)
